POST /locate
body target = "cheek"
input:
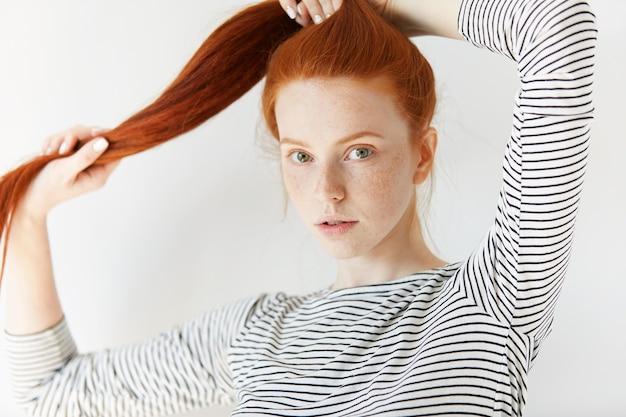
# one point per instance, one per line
(387, 191)
(392, 178)
(295, 183)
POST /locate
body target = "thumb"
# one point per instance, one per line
(88, 154)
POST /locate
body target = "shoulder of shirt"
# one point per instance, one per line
(270, 302)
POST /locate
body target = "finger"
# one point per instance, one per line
(311, 11)
(318, 9)
(68, 144)
(45, 146)
(62, 144)
(290, 7)
(328, 8)
(83, 132)
(97, 130)
(302, 14)
(52, 144)
(86, 156)
(337, 4)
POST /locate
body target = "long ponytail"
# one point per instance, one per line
(229, 63)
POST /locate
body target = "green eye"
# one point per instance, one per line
(359, 153)
(300, 157)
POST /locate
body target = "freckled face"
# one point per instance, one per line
(348, 163)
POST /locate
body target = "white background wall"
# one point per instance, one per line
(199, 221)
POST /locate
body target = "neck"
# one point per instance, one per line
(388, 262)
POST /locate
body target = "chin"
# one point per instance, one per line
(341, 252)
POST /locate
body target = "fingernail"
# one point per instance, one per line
(291, 12)
(328, 15)
(48, 151)
(100, 145)
(96, 130)
(299, 7)
(317, 19)
(63, 148)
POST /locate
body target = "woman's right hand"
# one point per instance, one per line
(69, 176)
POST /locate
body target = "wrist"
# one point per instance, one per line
(23, 217)
(402, 14)
(424, 17)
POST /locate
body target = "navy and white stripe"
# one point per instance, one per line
(457, 340)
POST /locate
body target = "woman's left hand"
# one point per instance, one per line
(306, 12)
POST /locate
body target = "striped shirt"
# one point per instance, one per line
(458, 340)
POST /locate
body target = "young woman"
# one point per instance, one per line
(400, 332)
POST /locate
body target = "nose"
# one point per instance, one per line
(329, 185)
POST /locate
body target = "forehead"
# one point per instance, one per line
(336, 107)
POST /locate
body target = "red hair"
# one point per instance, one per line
(355, 42)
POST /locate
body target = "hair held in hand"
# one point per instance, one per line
(258, 41)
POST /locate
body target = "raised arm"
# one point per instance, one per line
(31, 299)
(521, 264)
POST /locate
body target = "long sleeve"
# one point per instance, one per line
(183, 368)
(522, 261)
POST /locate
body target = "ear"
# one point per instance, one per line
(426, 145)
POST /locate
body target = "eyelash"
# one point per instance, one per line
(294, 155)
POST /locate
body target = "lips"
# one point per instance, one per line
(335, 227)
(333, 220)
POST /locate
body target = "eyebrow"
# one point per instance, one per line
(351, 137)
